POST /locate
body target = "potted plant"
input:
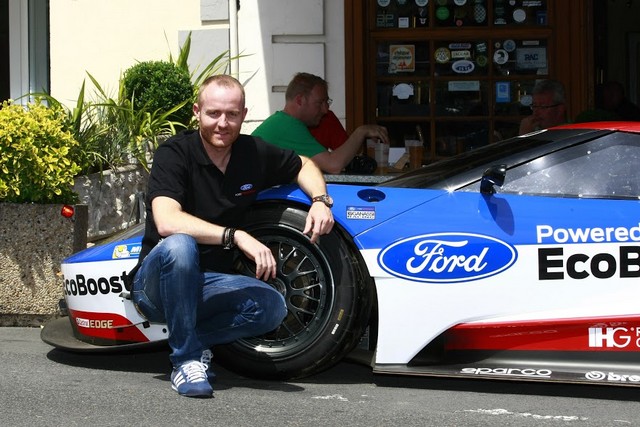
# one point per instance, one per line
(36, 183)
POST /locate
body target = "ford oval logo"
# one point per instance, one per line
(463, 66)
(447, 257)
(246, 187)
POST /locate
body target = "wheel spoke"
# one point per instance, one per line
(301, 279)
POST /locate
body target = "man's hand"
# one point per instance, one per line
(373, 131)
(258, 253)
(319, 221)
(529, 124)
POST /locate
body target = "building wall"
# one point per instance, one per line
(276, 38)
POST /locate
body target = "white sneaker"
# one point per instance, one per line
(190, 379)
(205, 359)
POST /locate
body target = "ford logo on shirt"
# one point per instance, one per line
(447, 257)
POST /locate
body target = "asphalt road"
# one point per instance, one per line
(41, 386)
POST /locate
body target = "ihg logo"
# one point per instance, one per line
(618, 337)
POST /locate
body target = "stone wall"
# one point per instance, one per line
(115, 199)
(34, 239)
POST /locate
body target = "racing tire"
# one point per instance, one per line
(327, 290)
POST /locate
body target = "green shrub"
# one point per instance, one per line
(159, 86)
(35, 165)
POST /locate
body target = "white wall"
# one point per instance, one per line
(107, 37)
(295, 36)
(277, 38)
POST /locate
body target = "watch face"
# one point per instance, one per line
(325, 198)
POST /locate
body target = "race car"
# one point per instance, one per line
(519, 260)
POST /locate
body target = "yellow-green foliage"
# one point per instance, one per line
(34, 155)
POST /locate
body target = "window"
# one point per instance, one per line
(457, 74)
(604, 168)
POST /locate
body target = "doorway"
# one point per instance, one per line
(617, 44)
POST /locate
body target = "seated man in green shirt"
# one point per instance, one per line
(306, 101)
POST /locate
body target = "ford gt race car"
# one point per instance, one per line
(519, 260)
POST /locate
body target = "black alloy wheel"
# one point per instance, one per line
(327, 290)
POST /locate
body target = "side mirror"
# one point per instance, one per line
(491, 177)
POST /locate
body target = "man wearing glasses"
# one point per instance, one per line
(548, 107)
(306, 102)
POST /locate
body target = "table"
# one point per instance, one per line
(360, 179)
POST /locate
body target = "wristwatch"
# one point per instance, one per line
(325, 198)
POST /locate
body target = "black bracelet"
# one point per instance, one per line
(227, 238)
(225, 233)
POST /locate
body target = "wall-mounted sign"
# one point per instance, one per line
(503, 92)
(464, 86)
(463, 66)
(402, 58)
(528, 58)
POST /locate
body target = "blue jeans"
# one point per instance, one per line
(201, 309)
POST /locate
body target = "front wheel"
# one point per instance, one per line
(327, 291)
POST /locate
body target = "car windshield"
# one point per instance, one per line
(605, 167)
(464, 168)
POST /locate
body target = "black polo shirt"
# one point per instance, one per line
(183, 171)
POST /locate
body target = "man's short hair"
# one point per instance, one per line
(223, 80)
(550, 86)
(303, 84)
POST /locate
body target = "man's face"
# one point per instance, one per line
(546, 111)
(314, 106)
(220, 114)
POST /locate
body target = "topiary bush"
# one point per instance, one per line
(35, 165)
(160, 85)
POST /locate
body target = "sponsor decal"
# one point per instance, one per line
(442, 13)
(611, 376)
(556, 263)
(614, 337)
(509, 45)
(547, 233)
(442, 55)
(361, 212)
(479, 13)
(553, 264)
(402, 57)
(81, 285)
(95, 324)
(447, 257)
(503, 91)
(463, 66)
(459, 45)
(126, 251)
(500, 56)
(463, 86)
(528, 58)
(461, 54)
(519, 15)
(509, 372)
